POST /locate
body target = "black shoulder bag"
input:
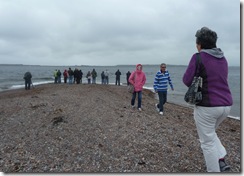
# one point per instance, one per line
(194, 92)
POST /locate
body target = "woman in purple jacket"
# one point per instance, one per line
(216, 97)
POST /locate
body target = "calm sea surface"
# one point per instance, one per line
(11, 77)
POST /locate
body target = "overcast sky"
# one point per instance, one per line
(114, 32)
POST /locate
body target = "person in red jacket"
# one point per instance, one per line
(137, 79)
(65, 74)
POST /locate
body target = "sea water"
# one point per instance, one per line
(11, 77)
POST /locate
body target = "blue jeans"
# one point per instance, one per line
(89, 81)
(93, 80)
(59, 79)
(106, 79)
(70, 79)
(134, 98)
(162, 96)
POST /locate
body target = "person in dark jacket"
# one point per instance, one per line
(71, 75)
(127, 77)
(27, 78)
(117, 79)
(76, 76)
(94, 76)
(103, 77)
(81, 75)
(216, 97)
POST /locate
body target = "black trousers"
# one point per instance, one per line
(117, 81)
(27, 84)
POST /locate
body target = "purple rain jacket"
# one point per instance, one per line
(214, 71)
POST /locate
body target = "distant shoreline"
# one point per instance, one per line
(122, 65)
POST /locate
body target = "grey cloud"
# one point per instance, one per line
(113, 32)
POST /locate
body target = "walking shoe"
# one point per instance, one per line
(161, 113)
(139, 109)
(156, 105)
(223, 166)
(133, 106)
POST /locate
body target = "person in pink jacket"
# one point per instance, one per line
(137, 79)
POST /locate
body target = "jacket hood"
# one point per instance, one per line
(216, 52)
(138, 71)
(138, 65)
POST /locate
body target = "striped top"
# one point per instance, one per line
(161, 81)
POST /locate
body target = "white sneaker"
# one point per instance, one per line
(156, 105)
(161, 113)
(139, 109)
(133, 106)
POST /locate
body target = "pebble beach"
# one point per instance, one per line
(92, 128)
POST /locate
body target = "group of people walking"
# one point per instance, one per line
(216, 96)
(75, 76)
(70, 76)
(161, 81)
(208, 114)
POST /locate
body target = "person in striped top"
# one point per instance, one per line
(161, 81)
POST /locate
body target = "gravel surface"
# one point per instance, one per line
(92, 128)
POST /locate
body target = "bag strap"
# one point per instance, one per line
(197, 64)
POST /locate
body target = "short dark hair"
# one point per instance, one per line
(206, 38)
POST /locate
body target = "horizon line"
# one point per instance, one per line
(94, 65)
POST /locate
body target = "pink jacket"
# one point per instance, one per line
(138, 78)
